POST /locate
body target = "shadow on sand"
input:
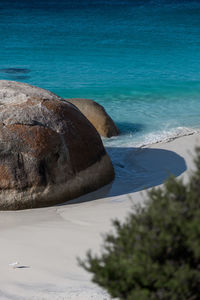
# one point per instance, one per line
(137, 169)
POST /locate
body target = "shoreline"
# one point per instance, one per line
(173, 138)
(128, 139)
(46, 241)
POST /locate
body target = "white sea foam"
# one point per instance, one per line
(167, 136)
(133, 140)
(124, 151)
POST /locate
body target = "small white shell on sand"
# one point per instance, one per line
(14, 264)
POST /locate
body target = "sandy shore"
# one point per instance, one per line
(47, 241)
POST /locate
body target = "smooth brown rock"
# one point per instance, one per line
(97, 115)
(49, 152)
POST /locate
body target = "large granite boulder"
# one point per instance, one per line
(97, 115)
(49, 151)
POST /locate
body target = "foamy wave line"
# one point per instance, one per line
(164, 136)
(168, 136)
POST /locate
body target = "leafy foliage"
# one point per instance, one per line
(155, 253)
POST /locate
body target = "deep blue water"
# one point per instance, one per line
(140, 59)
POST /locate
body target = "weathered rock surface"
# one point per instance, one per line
(49, 152)
(97, 115)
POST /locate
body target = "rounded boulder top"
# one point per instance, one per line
(49, 151)
(97, 115)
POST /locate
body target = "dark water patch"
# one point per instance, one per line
(22, 77)
(69, 4)
(126, 127)
(15, 71)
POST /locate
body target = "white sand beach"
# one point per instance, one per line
(46, 242)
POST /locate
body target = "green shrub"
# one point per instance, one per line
(155, 253)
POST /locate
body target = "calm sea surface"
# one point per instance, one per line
(140, 59)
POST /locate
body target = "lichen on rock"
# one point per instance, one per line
(49, 152)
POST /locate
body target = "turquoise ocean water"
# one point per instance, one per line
(139, 58)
